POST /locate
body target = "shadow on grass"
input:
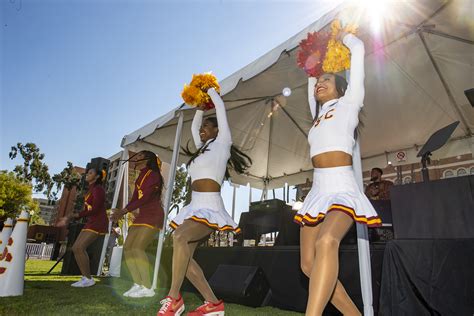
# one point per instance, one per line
(52, 294)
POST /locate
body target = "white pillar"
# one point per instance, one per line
(125, 194)
(169, 193)
(118, 182)
(250, 195)
(363, 242)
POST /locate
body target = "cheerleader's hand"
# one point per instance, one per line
(341, 35)
(117, 215)
(202, 107)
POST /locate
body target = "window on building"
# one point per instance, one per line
(448, 173)
(472, 171)
(114, 175)
(407, 180)
(461, 172)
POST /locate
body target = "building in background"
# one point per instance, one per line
(461, 165)
(66, 204)
(48, 211)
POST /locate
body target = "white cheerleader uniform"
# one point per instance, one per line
(208, 207)
(335, 189)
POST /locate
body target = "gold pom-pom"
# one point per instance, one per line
(195, 93)
(338, 56)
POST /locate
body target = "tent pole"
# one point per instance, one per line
(125, 196)
(114, 205)
(445, 85)
(234, 191)
(169, 193)
(363, 246)
(363, 242)
(250, 195)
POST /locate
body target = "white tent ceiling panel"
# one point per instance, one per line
(405, 98)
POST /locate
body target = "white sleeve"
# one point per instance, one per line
(195, 126)
(312, 81)
(355, 90)
(224, 130)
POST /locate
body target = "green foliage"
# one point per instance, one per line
(15, 196)
(33, 170)
(52, 294)
(180, 189)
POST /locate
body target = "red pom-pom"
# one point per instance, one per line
(312, 53)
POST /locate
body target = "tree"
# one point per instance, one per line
(180, 189)
(33, 170)
(15, 196)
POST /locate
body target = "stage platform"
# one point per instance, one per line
(281, 265)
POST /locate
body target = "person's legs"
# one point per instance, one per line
(186, 233)
(128, 255)
(340, 299)
(143, 236)
(196, 276)
(79, 249)
(325, 269)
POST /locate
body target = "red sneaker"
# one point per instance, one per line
(171, 306)
(209, 309)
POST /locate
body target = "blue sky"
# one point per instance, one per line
(76, 76)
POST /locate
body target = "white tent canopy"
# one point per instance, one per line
(416, 72)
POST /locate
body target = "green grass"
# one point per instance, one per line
(52, 295)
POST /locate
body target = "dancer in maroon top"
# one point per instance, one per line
(147, 198)
(97, 224)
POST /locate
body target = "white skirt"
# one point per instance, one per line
(335, 189)
(206, 208)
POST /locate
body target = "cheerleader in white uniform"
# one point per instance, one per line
(206, 212)
(335, 200)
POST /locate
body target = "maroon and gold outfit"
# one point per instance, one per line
(94, 210)
(147, 198)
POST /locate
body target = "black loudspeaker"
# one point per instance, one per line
(94, 251)
(243, 285)
(470, 96)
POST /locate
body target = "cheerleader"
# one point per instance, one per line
(335, 200)
(147, 198)
(97, 224)
(206, 212)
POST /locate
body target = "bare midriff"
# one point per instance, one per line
(205, 185)
(332, 159)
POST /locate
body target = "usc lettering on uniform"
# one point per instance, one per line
(327, 116)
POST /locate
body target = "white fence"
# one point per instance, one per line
(39, 251)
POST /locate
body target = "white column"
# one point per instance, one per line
(169, 193)
(234, 193)
(118, 182)
(125, 194)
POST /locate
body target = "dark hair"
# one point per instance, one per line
(341, 87)
(378, 169)
(238, 161)
(100, 180)
(152, 163)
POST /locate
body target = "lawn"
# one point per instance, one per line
(52, 295)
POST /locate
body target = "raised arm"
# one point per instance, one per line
(355, 90)
(195, 126)
(224, 130)
(312, 81)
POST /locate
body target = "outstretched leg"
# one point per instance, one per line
(195, 275)
(84, 240)
(340, 299)
(325, 269)
(186, 233)
(143, 236)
